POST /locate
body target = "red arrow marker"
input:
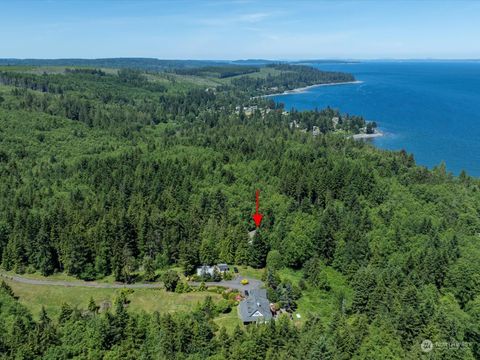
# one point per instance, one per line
(257, 217)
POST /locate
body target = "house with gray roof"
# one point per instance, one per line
(209, 270)
(255, 307)
(223, 268)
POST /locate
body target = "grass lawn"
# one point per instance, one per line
(149, 300)
(228, 321)
(53, 277)
(313, 302)
(110, 279)
(52, 297)
(248, 271)
(316, 302)
(183, 82)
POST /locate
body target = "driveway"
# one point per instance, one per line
(234, 284)
(92, 284)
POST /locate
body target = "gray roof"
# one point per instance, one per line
(255, 307)
(222, 267)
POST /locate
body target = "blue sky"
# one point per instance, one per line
(240, 29)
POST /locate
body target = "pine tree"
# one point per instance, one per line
(45, 334)
(44, 256)
(189, 258)
(92, 306)
(149, 269)
(364, 285)
(168, 332)
(65, 312)
(258, 251)
(7, 289)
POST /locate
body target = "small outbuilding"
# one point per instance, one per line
(223, 268)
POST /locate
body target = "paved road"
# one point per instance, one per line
(234, 284)
(91, 284)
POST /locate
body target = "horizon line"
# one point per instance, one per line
(248, 59)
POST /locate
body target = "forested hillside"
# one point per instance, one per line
(149, 64)
(104, 172)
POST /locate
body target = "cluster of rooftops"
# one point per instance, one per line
(206, 269)
(255, 307)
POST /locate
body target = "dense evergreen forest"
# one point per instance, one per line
(292, 77)
(108, 172)
(218, 71)
(149, 64)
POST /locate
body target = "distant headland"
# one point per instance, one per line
(306, 88)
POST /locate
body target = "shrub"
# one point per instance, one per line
(182, 287)
(179, 288)
(170, 280)
(274, 260)
(223, 306)
(195, 278)
(302, 284)
(216, 275)
(233, 295)
(125, 292)
(322, 282)
(208, 307)
(88, 273)
(227, 276)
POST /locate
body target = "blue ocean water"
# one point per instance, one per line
(430, 109)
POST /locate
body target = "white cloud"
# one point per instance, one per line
(238, 19)
(253, 18)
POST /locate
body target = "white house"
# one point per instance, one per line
(205, 269)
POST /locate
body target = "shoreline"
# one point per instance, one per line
(367, 136)
(305, 88)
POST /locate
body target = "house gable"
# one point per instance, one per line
(255, 307)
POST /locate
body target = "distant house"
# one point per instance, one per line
(251, 235)
(335, 121)
(294, 123)
(255, 308)
(205, 269)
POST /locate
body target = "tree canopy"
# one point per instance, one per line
(105, 173)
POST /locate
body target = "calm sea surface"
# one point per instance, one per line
(431, 109)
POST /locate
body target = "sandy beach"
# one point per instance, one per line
(306, 88)
(367, 136)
